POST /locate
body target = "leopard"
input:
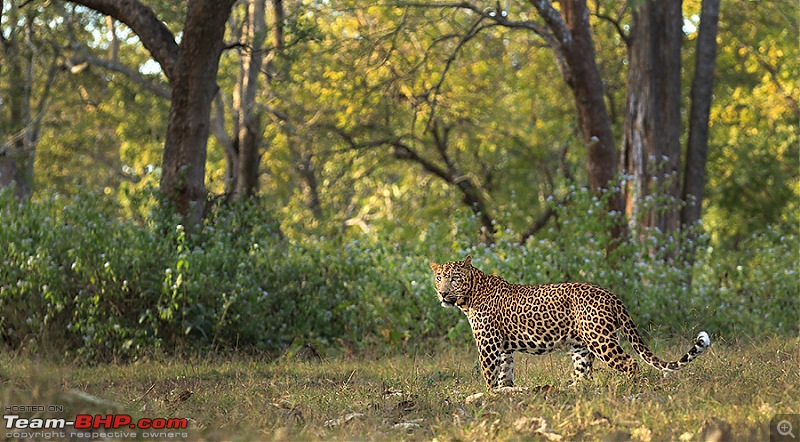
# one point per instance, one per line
(536, 319)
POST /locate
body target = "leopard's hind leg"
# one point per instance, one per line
(582, 360)
(608, 350)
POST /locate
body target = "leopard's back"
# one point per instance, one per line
(548, 313)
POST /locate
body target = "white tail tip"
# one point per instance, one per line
(703, 339)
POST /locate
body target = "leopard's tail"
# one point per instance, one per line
(701, 343)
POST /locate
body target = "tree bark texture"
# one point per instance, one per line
(694, 177)
(194, 85)
(651, 140)
(587, 87)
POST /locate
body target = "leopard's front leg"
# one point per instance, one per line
(506, 378)
(489, 351)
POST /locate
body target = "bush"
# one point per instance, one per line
(76, 277)
(79, 277)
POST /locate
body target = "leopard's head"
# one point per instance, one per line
(453, 281)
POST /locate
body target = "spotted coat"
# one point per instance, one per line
(536, 319)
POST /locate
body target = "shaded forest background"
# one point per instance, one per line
(262, 174)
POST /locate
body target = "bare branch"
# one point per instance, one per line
(485, 13)
(133, 75)
(494, 18)
(404, 152)
(615, 22)
(538, 225)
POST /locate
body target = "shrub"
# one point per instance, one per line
(78, 276)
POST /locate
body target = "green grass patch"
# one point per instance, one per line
(733, 390)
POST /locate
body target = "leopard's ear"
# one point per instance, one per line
(468, 260)
(435, 267)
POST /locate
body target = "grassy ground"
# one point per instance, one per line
(733, 390)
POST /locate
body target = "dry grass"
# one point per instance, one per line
(732, 390)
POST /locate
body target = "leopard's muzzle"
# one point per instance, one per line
(447, 299)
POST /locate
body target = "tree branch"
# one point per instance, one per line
(115, 66)
(403, 152)
(614, 21)
(145, 24)
(555, 22)
(539, 224)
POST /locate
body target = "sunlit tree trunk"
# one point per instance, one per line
(13, 154)
(20, 131)
(651, 151)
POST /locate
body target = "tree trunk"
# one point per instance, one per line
(587, 87)
(651, 140)
(18, 151)
(694, 179)
(249, 117)
(193, 87)
(192, 72)
(13, 154)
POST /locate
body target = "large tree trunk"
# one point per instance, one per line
(651, 140)
(587, 87)
(13, 155)
(192, 72)
(694, 178)
(193, 87)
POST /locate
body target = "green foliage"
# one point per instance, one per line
(379, 72)
(754, 154)
(754, 289)
(77, 276)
